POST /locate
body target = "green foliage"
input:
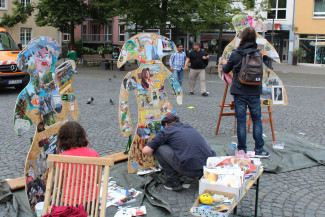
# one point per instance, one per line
(63, 15)
(88, 50)
(19, 14)
(179, 13)
(103, 10)
(107, 49)
(298, 53)
(263, 6)
(67, 14)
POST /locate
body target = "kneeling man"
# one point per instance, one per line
(180, 150)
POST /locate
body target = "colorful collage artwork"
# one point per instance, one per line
(273, 90)
(47, 100)
(147, 83)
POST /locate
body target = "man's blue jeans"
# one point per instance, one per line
(179, 75)
(254, 105)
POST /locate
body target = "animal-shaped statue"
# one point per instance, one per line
(147, 83)
(47, 100)
(273, 90)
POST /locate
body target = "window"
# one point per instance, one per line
(3, 5)
(25, 2)
(108, 32)
(278, 10)
(25, 35)
(121, 33)
(66, 37)
(313, 47)
(319, 9)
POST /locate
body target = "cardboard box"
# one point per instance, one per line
(205, 185)
(197, 211)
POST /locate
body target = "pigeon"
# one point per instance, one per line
(114, 76)
(109, 79)
(90, 100)
(111, 101)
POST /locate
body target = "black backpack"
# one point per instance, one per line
(251, 71)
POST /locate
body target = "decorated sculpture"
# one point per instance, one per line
(273, 90)
(147, 83)
(47, 100)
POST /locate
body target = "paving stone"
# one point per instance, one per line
(283, 193)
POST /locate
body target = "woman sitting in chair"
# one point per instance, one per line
(72, 140)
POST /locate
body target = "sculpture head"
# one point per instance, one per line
(241, 21)
(146, 47)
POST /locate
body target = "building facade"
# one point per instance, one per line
(310, 31)
(23, 33)
(280, 24)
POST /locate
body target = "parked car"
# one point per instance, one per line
(10, 75)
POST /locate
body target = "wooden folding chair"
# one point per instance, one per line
(59, 177)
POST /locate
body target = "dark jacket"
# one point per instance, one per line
(234, 64)
(188, 145)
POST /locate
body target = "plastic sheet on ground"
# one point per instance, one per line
(17, 202)
(298, 153)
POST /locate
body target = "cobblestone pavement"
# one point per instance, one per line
(297, 193)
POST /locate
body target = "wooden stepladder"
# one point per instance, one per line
(249, 121)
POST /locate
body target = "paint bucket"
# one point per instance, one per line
(39, 209)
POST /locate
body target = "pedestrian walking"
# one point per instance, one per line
(72, 55)
(199, 60)
(246, 95)
(177, 62)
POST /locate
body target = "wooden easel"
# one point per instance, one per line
(249, 122)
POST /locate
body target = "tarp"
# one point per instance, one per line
(298, 153)
(17, 203)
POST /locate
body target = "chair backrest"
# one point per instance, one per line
(73, 178)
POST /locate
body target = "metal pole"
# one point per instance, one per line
(272, 33)
(272, 38)
(256, 198)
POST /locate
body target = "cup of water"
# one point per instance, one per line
(278, 145)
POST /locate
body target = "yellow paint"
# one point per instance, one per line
(304, 21)
(143, 116)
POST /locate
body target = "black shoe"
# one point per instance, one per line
(191, 93)
(205, 94)
(262, 154)
(173, 185)
(188, 181)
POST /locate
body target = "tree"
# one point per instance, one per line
(67, 14)
(19, 14)
(161, 13)
(62, 14)
(220, 15)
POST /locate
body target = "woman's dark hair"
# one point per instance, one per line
(248, 35)
(71, 135)
(144, 81)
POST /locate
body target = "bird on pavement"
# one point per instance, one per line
(90, 100)
(111, 101)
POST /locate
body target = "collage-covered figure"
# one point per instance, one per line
(47, 100)
(147, 83)
(273, 90)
